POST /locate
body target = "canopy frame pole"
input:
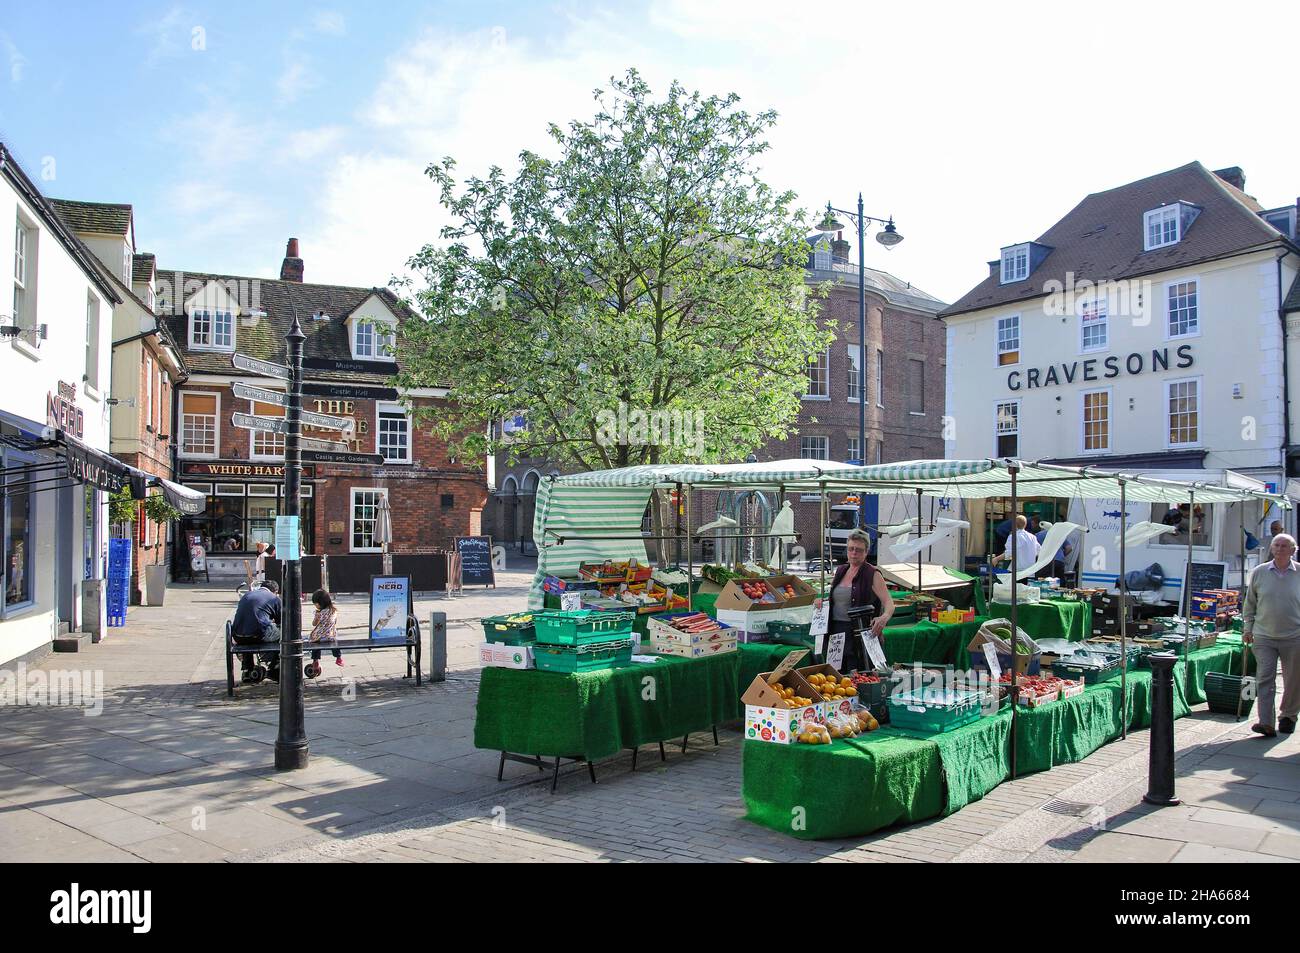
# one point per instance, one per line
(1123, 610)
(822, 544)
(780, 541)
(690, 557)
(1015, 631)
(920, 531)
(1243, 601)
(677, 505)
(1187, 576)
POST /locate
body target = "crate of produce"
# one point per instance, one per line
(688, 650)
(873, 687)
(790, 633)
(1207, 639)
(1112, 647)
(931, 711)
(509, 629)
(558, 584)
(604, 574)
(1091, 668)
(589, 657)
(1223, 692)
(689, 628)
(581, 626)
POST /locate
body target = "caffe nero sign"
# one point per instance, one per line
(1100, 369)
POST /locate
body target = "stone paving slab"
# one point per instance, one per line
(172, 770)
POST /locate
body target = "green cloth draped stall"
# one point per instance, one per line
(919, 777)
(1050, 619)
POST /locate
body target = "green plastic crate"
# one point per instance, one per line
(581, 658)
(581, 626)
(790, 633)
(931, 712)
(1089, 674)
(499, 629)
(1222, 692)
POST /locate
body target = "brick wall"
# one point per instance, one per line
(421, 521)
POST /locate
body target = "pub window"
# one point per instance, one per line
(1009, 340)
(1096, 420)
(266, 445)
(212, 330)
(365, 512)
(374, 340)
(1007, 434)
(1184, 412)
(262, 489)
(199, 428)
(230, 489)
(394, 439)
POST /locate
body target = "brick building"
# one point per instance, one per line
(353, 342)
(904, 386)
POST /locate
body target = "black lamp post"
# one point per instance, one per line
(889, 237)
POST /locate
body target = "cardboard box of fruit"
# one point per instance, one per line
(838, 693)
(689, 628)
(780, 705)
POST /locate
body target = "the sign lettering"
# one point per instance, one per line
(1132, 364)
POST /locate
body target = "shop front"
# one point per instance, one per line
(243, 500)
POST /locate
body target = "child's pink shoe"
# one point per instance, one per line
(339, 661)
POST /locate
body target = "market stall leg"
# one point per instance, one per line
(1123, 611)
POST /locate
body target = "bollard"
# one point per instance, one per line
(1160, 780)
(437, 646)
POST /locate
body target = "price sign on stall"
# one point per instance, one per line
(570, 601)
(991, 656)
(874, 650)
(820, 619)
(835, 650)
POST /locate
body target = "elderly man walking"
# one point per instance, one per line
(1271, 626)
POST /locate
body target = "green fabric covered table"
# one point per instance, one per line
(853, 787)
(597, 714)
(932, 643)
(1050, 619)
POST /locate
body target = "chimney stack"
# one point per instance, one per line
(291, 268)
(839, 247)
(1233, 176)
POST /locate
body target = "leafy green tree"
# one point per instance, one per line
(646, 266)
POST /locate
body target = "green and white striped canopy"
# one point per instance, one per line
(610, 503)
(946, 478)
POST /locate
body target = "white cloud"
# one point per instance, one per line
(296, 79)
(170, 35)
(303, 146)
(329, 22)
(16, 59)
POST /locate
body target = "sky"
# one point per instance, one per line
(232, 126)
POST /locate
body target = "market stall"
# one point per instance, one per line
(591, 523)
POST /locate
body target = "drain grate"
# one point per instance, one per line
(1069, 808)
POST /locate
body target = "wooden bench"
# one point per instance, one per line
(410, 642)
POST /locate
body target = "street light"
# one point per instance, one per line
(889, 237)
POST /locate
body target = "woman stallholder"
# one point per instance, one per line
(858, 583)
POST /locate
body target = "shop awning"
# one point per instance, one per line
(88, 465)
(190, 502)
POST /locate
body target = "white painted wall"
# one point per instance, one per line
(28, 376)
(1239, 343)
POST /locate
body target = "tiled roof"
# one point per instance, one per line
(1101, 238)
(142, 267)
(281, 300)
(1292, 302)
(102, 217)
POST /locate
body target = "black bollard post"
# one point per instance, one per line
(1160, 780)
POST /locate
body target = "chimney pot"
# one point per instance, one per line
(1233, 176)
(291, 269)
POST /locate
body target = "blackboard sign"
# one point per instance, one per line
(1202, 576)
(476, 561)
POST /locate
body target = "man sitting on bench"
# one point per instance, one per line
(257, 620)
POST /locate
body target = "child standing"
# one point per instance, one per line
(323, 627)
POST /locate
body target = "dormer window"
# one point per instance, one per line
(373, 340)
(1167, 225)
(212, 329)
(1015, 263)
